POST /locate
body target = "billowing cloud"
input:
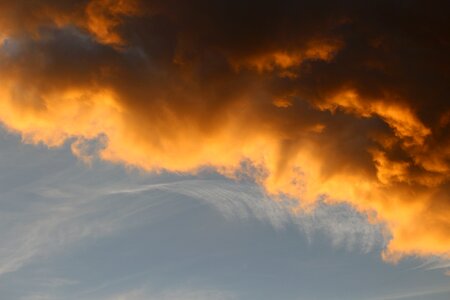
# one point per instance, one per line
(347, 101)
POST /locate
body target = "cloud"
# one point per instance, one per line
(315, 99)
(435, 263)
(415, 294)
(344, 226)
(66, 215)
(41, 232)
(175, 294)
(51, 207)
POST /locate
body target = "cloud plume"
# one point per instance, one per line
(347, 101)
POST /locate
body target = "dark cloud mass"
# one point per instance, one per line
(346, 99)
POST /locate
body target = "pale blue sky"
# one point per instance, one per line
(73, 231)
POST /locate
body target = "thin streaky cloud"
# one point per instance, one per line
(418, 294)
(85, 213)
(343, 225)
(175, 294)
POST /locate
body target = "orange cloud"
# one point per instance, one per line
(103, 16)
(185, 88)
(283, 60)
(400, 118)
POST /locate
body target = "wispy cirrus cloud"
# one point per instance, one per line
(175, 294)
(343, 225)
(64, 221)
(414, 294)
(71, 204)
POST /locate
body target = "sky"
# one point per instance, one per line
(224, 149)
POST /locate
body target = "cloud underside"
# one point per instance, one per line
(312, 99)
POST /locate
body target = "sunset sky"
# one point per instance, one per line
(224, 149)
